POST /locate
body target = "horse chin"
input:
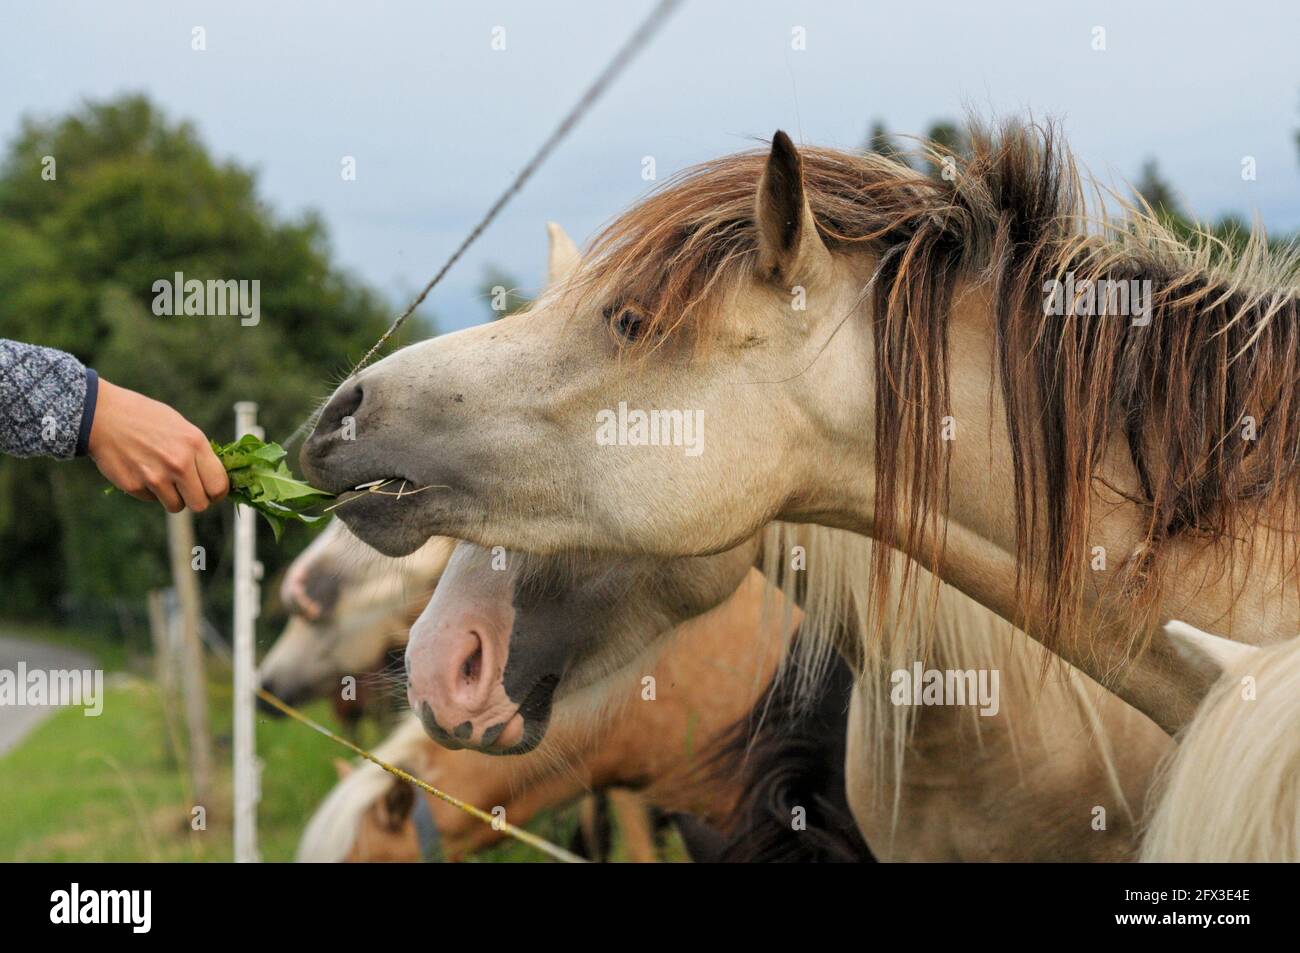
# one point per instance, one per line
(390, 525)
(535, 712)
(534, 732)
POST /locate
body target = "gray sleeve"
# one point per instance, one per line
(47, 401)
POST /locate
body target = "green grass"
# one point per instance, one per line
(106, 789)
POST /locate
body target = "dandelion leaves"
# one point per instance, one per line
(260, 478)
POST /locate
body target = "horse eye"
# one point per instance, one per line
(625, 322)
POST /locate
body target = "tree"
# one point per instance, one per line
(134, 199)
(948, 139)
(882, 143)
(1156, 192)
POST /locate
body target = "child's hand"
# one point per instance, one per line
(150, 451)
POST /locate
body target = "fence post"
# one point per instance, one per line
(164, 667)
(194, 685)
(247, 573)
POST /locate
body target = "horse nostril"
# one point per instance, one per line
(473, 666)
(342, 405)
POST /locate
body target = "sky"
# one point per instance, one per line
(439, 121)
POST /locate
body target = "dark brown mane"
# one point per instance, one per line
(1223, 343)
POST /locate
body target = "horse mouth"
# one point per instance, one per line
(384, 494)
(394, 486)
(387, 520)
(534, 711)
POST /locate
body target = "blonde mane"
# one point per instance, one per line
(1231, 792)
(826, 571)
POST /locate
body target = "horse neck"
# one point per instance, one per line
(974, 550)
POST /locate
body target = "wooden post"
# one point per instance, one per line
(164, 667)
(180, 539)
(247, 573)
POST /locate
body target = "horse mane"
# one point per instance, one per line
(1229, 793)
(843, 618)
(1009, 216)
(786, 755)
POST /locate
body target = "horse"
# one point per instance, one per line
(707, 678)
(849, 333)
(1058, 771)
(329, 635)
(370, 816)
(351, 611)
(1231, 792)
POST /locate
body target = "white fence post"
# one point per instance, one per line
(248, 571)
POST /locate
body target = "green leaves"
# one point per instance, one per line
(260, 478)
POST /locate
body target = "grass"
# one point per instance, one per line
(107, 788)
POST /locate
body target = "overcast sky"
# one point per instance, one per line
(439, 121)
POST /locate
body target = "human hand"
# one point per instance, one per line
(147, 449)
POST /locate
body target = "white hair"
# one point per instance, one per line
(1231, 792)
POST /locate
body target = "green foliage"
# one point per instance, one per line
(881, 142)
(948, 137)
(260, 478)
(135, 199)
(130, 802)
(1156, 191)
(949, 140)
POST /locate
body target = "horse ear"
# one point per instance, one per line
(320, 592)
(1210, 654)
(563, 257)
(789, 248)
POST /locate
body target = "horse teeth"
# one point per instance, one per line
(367, 486)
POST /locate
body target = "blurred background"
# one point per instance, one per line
(216, 139)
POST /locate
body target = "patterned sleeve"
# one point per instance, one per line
(47, 401)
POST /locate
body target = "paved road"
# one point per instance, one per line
(17, 721)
